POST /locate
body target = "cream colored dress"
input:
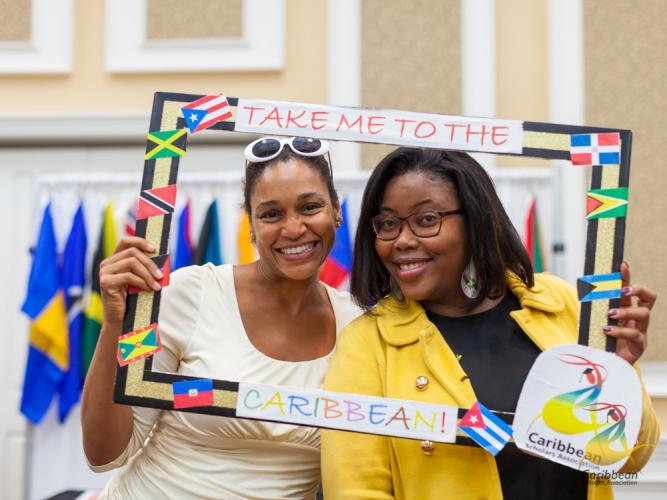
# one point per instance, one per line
(199, 456)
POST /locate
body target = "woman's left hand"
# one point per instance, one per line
(632, 318)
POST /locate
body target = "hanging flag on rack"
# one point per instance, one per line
(183, 256)
(48, 352)
(73, 279)
(93, 314)
(208, 248)
(246, 251)
(337, 267)
(131, 219)
(533, 241)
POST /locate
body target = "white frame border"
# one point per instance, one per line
(478, 64)
(261, 47)
(50, 47)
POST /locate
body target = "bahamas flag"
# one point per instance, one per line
(208, 248)
(48, 353)
(183, 242)
(533, 241)
(92, 323)
(73, 279)
(336, 269)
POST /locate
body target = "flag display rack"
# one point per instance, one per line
(137, 384)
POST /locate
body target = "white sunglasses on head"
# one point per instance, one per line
(268, 148)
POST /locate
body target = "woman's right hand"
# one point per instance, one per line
(128, 265)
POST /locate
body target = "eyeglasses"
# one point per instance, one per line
(268, 148)
(422, 224)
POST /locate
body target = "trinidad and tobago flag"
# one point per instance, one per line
(336, 269)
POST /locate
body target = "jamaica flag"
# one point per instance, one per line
(92, 322)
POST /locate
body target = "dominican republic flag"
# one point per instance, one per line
(485, 428)
(206, 112)
(595, 149)
(192, 393)
(337, 268)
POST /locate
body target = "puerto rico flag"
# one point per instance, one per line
(193, 393)
(337, 268)
(485, 428)
(595, 149)
(206, 112)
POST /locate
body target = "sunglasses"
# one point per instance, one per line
(268, 148)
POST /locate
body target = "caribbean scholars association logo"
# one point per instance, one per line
(580, 407)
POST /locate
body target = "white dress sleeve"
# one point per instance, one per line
(177, 322)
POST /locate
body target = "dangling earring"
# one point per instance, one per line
(338, 223)
(469, 281)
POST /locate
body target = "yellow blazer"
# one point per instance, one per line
(383, 353)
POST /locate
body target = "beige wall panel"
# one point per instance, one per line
(194, 19)
(90, 88)
(522, 66)
(15, 20)
(411, 59)
(660, 406)
(626, 71)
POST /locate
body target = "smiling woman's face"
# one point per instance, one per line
(426, 269)
(293, 219)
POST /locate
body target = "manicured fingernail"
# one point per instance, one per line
(156, 286)
(612, 313)
(150, 248)
(627, 290)
(608, 329)
(158, 274)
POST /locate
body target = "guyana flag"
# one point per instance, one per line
(92, 322)
(533, 241)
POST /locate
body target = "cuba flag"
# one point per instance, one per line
(48, 352)
(337, 268)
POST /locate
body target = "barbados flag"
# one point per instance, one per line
(337, 268)
(48, 352)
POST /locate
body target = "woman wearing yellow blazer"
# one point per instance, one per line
(460, 317)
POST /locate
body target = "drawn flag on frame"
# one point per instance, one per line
(206, 112)
(607, 203)
(595, 149)
(138, 344)
(485, 428)
(157, 201)
(193, 393)
(168, 143)
(599, 287)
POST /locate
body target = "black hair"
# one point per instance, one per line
(493, 243)
(254, 171)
